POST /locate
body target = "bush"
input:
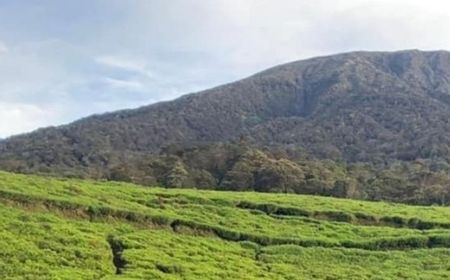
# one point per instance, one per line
(439, 241)
(336, 216)
(395, 221)
(291, 211)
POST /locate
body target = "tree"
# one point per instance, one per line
(177, 176)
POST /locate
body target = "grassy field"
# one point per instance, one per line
(78, 229)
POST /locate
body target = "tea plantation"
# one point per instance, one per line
(52, 228)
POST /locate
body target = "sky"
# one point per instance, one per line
(62, 60)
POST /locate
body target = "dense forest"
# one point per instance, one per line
(241, 167)
(372, 125)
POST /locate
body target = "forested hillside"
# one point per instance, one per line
(370, 125)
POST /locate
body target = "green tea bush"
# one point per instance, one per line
(75, 229)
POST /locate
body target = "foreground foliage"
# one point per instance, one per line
(75, 229)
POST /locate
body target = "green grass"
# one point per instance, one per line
(65, 229)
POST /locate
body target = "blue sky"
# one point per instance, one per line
(62, 60)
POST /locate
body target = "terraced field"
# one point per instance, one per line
(73, 229)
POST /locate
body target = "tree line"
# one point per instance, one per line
(242, 167)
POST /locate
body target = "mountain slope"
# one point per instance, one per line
(356, 107)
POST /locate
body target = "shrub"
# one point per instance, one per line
(395, 221)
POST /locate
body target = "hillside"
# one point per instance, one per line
(354, 99)
(376, 108)
(74, 229)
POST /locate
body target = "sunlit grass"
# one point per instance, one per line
(60, 229)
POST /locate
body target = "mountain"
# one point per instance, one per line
(370, 107)
(356, 106)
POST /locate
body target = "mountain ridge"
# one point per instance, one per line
(297, 85)
(99, 115)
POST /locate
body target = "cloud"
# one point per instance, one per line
(124, 64)
(24, 117)
(123, 84)
(3, 48)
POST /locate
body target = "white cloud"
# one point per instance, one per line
(123, 84)
(133, 65)
(3, 48)
(20, 117)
